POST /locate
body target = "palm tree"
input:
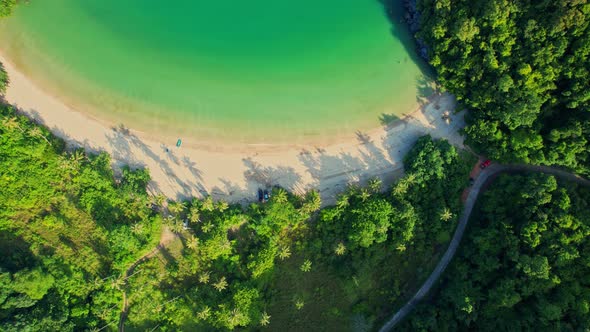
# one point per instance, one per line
(12, 123)
(265, 319)
(192, 242)
(364, 195)
(97, 282)
(78, 155)
(175, 225)
(401, 187)
(137, 228)
(117, 283)
(204, 314)
(411, 178)
(157, 308)
(204, 277)
(355, 280)
(306, 266)
(176, 208)
(375, 185)
(64, 163)
(446, 214)
(235, 317)
(221, 284)
(208, 204)
(222, 206)
(206, 228)
(343, 201)
(340, 249)
(193, 215)
(404, 184)
(158, 200)
(225, 244)
(280, 196)
(284, 252)
(103, 314)
(313, 202)
(299, 303)
(36, 132)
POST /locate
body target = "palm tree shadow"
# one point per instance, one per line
(191, 165)
(388, 120)
(123, 144)
(258, 175)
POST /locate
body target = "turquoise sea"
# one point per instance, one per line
(248, 71)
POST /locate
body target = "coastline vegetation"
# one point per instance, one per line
(6, 7)
(68, 230)
(77, 238)
(522, 70)
(71, 231)
(3, 80)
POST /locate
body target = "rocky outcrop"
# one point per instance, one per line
(412, 17)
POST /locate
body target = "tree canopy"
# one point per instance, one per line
(65, 229)
(72, 234)
(3, 80)
(523, 265)
(522, 70)
(6, 7)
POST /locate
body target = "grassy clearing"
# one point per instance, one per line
(336, 300)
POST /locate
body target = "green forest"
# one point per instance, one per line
(87, 248)
(6, 7)
(72, 231)
(521, 68)
(523, 266)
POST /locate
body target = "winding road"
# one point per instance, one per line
(479, 183)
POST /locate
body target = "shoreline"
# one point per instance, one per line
(234, 173)
(208, 142)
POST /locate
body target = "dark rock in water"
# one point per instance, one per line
(423, 51)
(412, 17)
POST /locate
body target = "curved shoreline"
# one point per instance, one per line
(234, 174)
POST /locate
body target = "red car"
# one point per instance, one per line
(485, 164)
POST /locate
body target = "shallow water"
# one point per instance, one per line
(252, 71)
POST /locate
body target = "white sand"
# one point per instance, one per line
(236, 174)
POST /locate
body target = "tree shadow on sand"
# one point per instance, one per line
(388, 120)
(257, 176)
(329, 170)
(332, 174)
(123, 145)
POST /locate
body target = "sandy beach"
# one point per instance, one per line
(236, 174)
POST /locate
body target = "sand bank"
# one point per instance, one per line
(235, 174)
